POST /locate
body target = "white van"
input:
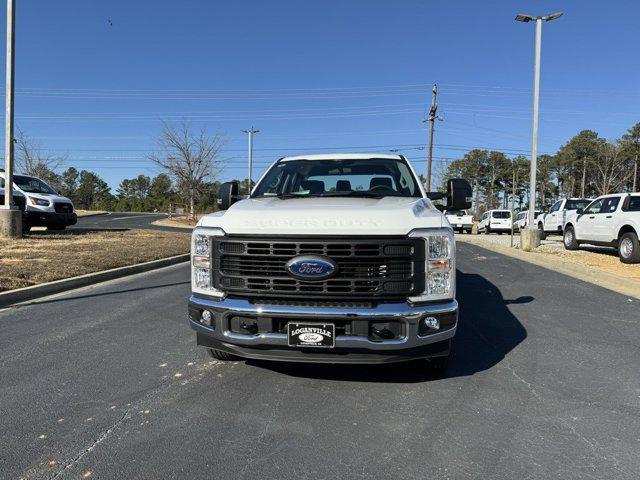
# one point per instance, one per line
(44, 206)
(495, 221)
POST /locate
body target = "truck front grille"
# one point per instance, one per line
(386, 268)
(63, 207)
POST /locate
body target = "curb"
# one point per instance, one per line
(45, 289)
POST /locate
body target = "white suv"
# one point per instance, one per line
(498, 221)
(611, 220)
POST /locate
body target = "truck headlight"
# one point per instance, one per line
(41, 202)
(440, 264)
(201, 281)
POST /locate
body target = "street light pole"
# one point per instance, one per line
(10, 217)
(534, 130)
(250, 154)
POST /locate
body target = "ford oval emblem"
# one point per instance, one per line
(311, 267)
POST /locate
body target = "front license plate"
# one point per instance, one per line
(311, 335)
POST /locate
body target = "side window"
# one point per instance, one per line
(632, 204)
(610, 204)
(485, 215)
(1, 182)
(556, 207)
(594, 207)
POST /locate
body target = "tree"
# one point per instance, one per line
(630, 143)
(611, 172)
(160, 193)
(31, 160)
(69, 182)
(190, 158)
(93, 192)
(575, 156)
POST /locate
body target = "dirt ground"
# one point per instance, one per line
(43, 257)
(177, 222)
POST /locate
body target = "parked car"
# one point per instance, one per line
(610, 220)
(522, 219)
(497, 221)
(552, 222)
(44, 206)
(460, 220)
(334, 259)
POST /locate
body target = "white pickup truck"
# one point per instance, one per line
(460, 220)
(610, 220)
(552, 222)
(336, 258)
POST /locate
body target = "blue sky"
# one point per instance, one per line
(316, 76)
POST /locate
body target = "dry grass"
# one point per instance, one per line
(43, 257)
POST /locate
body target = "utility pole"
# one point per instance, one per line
(250, 133)
(433, 111)
(10, 217)
(535, 241)
(635, 173)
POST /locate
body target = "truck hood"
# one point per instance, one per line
(327, 216)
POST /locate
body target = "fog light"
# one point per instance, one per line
(432, 322)
(206, 317)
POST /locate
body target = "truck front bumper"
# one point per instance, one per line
(415, 342)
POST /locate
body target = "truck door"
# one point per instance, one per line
(552, 220)
(605, 221)
(586, 223)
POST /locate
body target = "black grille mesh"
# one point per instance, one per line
(368, 268)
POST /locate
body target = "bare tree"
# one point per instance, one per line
(611, 173)
(191, 158)
(31, 158)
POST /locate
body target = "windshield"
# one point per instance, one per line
(32, 184)
(576, 204)
(342, 177)
(501, 214)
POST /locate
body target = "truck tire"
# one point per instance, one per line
(569, 239)
(543, 234)
(224, 356)
(629, 248)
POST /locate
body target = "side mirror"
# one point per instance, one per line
(580, 211)
(459, 194)
(228, 194)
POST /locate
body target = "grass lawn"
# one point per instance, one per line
(42, 256)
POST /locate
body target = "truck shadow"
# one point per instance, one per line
(487, 332)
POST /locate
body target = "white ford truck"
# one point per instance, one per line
(460, 220)
(336, 258)
(552, 222)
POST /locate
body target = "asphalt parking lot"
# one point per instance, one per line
(121, 220)
(107, 382)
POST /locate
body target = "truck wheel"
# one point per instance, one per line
(569, 239)
(543, 234)
(629, 248)
(224, 356)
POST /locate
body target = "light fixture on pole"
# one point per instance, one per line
(536, 101)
